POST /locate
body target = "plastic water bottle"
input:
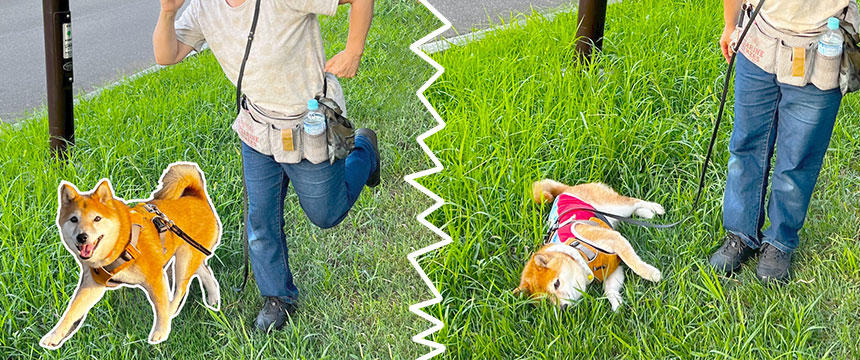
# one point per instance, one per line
(314, 122)
(830, 44)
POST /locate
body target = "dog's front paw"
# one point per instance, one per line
(158, 336)
(648, 210)
(213, 299)
(652, 274)
(51, 340)
(614, 301)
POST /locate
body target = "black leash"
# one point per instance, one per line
(163, 223)
(701, 189)
(246, 266)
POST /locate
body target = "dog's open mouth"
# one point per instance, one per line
(89, 248)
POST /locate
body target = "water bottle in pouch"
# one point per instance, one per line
(830, 44)
(314, 122)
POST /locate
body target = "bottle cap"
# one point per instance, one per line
(833, 23)
(313, 104)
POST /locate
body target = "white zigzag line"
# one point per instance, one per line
(411, 179)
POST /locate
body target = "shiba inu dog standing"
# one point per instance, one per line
(583, 246)
(120, 246)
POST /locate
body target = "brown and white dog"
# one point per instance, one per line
(119, 246)
(585, 247)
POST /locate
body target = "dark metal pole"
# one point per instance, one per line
(592, 19)
(58, 66)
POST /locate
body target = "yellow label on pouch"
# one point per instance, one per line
(798, 62)
(287, 139)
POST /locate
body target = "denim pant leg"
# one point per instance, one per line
(267, 186)
(327, 191)
(751, 146)
(806, 119)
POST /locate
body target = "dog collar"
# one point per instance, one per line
(104, 274)
(575, 255)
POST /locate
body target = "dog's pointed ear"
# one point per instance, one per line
(542, 260)
(523, 289)
(103, 192)
(67, 193)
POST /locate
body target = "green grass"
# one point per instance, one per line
(519, 107)
(355, 280)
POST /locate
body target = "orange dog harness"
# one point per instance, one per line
(129, 255)
(568, 211)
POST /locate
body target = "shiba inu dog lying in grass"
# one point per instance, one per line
(583, 246)
(120, 246)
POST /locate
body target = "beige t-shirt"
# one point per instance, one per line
(801, 15)
(286, 65)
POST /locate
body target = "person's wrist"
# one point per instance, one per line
(353, 51)
(170, 13)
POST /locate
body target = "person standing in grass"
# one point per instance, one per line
(793, 120)
(285, 69)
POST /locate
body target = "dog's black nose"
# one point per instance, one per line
(565, 307)
(82, 238)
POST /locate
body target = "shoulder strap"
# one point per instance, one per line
(245, 58)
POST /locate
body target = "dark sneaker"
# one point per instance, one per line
(274, 314)
(731, 255)
(374, 179)
(773, 264)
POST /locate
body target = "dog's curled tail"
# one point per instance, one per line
(546, 190)
(181, 180)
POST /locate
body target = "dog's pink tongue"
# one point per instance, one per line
(87, 250)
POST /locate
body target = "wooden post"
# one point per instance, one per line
(58, 66)
(591, 17)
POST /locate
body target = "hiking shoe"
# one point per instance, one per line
(731, 255)
(773, 264)
(274, 314)
(374, 178)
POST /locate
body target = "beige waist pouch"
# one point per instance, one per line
(792, 57)
(279, 135)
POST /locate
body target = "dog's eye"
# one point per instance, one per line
(74, 219)
(97, 218)
(557, 283)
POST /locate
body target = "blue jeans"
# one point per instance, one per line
(326, 193)
(797, 123)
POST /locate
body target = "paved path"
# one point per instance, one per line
(110, 39)
(466, 16)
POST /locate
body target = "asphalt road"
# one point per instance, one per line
(112, 39)
(466, 16)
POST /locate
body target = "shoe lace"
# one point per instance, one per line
(769, 252)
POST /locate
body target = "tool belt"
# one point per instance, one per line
(794, 57)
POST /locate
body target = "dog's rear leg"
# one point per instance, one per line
(612, 287)
(209, 285)
(603, 198)
(184, 267)
(615, 242)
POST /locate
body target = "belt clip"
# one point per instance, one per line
(160, 224)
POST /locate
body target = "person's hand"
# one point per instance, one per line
(726, 42)
(171, 6)
(344, 64)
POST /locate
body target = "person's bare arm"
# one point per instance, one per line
(731, 9)
(345, 63)
(167, 48)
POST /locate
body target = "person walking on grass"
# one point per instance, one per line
(286, 67)
(783, 105)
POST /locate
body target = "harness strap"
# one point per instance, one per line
(103, 275)
(163, 223)
(245, 57)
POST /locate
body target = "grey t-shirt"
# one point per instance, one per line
(286, 65)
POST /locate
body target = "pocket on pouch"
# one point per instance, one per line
(286, 140)
(315, 147)
(252, 132)
(825, 74)
(794, 63)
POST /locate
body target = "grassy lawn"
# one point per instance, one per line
(355, 280)
(519, 108)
